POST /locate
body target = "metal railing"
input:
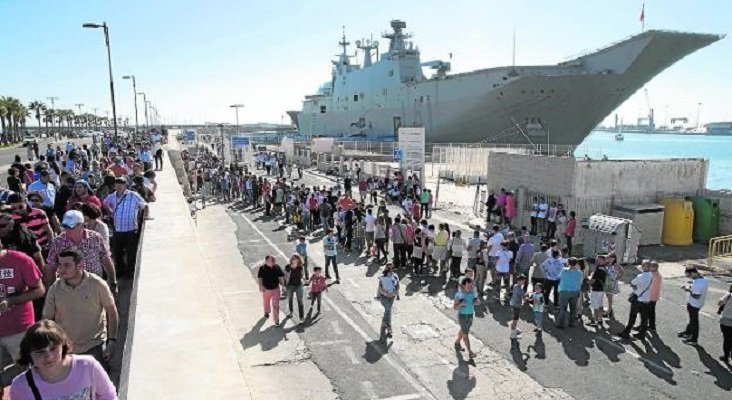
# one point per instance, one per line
(719, 247)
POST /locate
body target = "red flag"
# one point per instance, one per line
(643, 13)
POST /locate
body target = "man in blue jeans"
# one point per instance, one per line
(570, 284)
(388, 291)
(330, 249)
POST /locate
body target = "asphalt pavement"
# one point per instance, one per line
(585, 362)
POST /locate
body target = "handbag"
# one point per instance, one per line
(633, 298)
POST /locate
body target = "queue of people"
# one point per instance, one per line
(69, 233)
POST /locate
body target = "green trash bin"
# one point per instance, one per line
(706, 218)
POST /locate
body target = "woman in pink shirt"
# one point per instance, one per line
(56, 373)
(510, 207)
(655, 294)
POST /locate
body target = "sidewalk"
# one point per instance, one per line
(193, 300)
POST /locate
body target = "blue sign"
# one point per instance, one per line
(239, 142)
(398, 155)
(190, 136)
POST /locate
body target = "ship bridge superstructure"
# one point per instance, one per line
(556, 104)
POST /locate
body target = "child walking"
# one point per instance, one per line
(517, 300)
(537, 304)
(317, 287)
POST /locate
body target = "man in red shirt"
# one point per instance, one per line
(20, 284)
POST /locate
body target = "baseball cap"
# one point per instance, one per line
(72, 218)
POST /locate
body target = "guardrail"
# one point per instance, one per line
(719, 247)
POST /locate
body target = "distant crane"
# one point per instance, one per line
(651, 126)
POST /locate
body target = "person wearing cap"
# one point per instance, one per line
(124, 206)
(93, 246)
(83, 194)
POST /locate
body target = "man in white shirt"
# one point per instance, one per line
(641, 286)
(370, 221)
(494, 246)
(697, 295)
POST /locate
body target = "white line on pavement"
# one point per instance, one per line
(406, 375)
(336, 327)
(636, 355)
(413, 396)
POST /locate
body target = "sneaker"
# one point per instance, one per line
(458, 347)
(683, 334)
(624, 335)
(689, 341)
(640, 336)
(266, 315)
(724, 359)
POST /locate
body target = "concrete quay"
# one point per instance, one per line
(192, 309)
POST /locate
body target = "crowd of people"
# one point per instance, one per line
(528, 267)
(69, 228)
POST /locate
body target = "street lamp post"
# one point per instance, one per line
(134, 94)
(109, 62)
(144, 99)
(237, 107)
(223, 156)
(148, 104)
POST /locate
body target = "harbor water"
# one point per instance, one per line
(643, 146)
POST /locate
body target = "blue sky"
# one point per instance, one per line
(195, 58)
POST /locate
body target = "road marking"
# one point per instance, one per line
(368, 387)
(336, 327)
(406, 375)
(413, 396)
(351, 355)
(636, 355)
(329, 342)
(352, 282)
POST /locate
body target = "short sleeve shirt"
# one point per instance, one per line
(468, 299)
(270, 276)
(18, 272)
(80, 310)
(700, 286)
(93, 247)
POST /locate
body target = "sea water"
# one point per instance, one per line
(718, 149)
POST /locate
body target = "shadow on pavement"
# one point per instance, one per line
(462, 382)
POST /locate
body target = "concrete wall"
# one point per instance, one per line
(639, 177)
(550, 175)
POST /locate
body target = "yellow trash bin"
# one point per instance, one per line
(678, 222)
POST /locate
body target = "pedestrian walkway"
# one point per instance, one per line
(184, 341)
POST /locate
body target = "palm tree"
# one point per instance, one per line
(19, 114)
(39, 108)
(4, 116)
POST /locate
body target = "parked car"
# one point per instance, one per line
(29, 139)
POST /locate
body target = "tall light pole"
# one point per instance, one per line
(134, 94)
(53, 99)
(223, 156)
(109, 62)
(237, 107)
(148, 104)
(144, 99)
